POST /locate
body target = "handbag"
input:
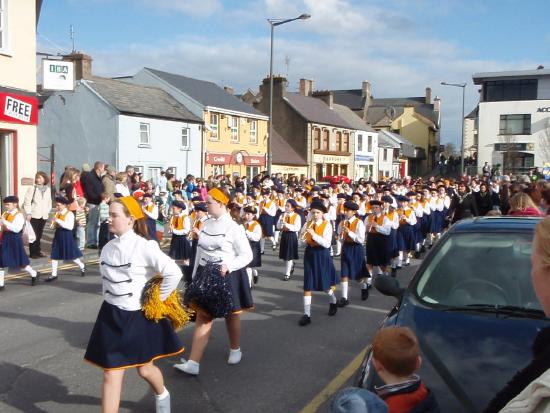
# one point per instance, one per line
(28, 234)
(210, 292)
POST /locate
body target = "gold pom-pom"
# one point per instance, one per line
(172, 308)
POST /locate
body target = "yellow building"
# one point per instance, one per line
(18, 102)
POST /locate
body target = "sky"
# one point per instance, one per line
(399, 46)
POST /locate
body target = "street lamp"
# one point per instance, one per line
(273, 23)
(463, 86)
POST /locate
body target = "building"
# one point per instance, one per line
(366, 144)
(514, 119)
(470, 134)
(387, 157)
(120, 123)
(308, 122)
(415, 118)
(403, 152)
(18, 101)
(285, 159)
(234, 138)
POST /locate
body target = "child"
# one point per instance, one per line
(180, 248)
(151, 212)
(268, 209)
(405, 233)
(253, 231)
(200, 215)
(103, 221)
(12, 253)
(289, 224)
(80, 217)
(396, 358)
(63, 245)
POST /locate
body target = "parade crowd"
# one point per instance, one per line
(222, 225)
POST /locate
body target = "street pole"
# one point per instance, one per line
(463, 86)
(273, 23)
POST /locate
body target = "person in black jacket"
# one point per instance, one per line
(463, 205)
(485, 199)
(93, 187)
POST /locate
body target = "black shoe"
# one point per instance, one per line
(50, 279)
(286, 278)
(406, 264)
(34, 257)
(417, 254)
(92, 247)
(35, 278)
(364, 293)
(41, 255)
(83, 271)
(332, 309)
(398, 267)
(342, 302)
(2, 288)
(261, 253)
(305, 320)
(422, 249)
(274, 247)
(430, 247)
(255, 279)
(393, 272)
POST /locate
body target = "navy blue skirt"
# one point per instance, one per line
(13, 253)
(353, 261)
(267, 222)
(393, 245)
(319, 271)
(417, 230)
(151, 228)
(425, 225)
(406, 238)
(436, 223)
(64, 245)
(256, 254)
(122, 339)
(288, 249)
(377, 249)
(180, 248)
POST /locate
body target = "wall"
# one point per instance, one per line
(416, 131)
(364, 152)
(81, 126)
(543, 91)
(165, 148)
(469, 137)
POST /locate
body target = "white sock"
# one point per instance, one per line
(55, 263)
(307, 305)
(163, 395)
(254, 272)
(369, 281)
(262, 244)
(288, 267)
(79, 262)
(1, 277)
(438, 235)
(345, 289)
(364, 286)
(277, 234)
(272, 239)
(331, 296)
(331, 252)
(338, 247)
(393, 263)
(249, 273)
(417, 247)
(31, 272)
(408, 259)
(400, 259)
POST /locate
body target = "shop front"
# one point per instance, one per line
(364, 167)
(238, 163)
(331, 165)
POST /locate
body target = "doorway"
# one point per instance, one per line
(6, 164)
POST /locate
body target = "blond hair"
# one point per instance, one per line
(521, 201)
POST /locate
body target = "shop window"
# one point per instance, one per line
(144, 135)
(515, 124)
(214, 126)
(253, 131)
(359, 143)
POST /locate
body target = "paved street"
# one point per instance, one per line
(285, 367)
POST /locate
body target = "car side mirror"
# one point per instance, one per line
(388, 286)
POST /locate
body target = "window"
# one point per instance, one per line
(369, 143)
(218, 170)
(515, 124)
(338, 141)
(214, 126)
(252, 171)
(253, 131)
(325, 140)
(154, 174)
(3, 25)
(359, 143)
(385, 155)
(144, 138)
(501, 90)
(138, 169)
(233, 123)
(345, 143)
(185, 139)
(316, 138)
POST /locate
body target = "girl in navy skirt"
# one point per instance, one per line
(405, 233)
(378, 228)
(253, 231)
(64, 245)
(289, 224)
(180, 248)
(319, 272)
(390, 212)
(12, 253)
(151, 211)
(200, 215)
(280, 202)
(122, 337)
(353, 265)
(436, 224)
(268, 209)
(340, 216)
(224, 242)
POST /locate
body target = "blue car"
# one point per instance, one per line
(472, 305)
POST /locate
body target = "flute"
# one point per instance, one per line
(309, 225)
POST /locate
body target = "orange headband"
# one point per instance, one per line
(218, 195)
(133, 206)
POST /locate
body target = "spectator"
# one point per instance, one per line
(92, 190)
(485, 199)
(189, 185)
(80, 223)
(129, 174)
(522, 205)
(396, 358)
(37, 205)
(203, 191)
(486, 170)
(108, 182)
(463, 204)
(121, 185)
(545, 201)
(162, 182)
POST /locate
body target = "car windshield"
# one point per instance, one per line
(471, 269)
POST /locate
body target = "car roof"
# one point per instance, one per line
(496, 224)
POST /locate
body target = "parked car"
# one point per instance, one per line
(333, 180)
(473, 307)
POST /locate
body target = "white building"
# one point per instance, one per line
(514, 119)
(388, 163)
(121, 124)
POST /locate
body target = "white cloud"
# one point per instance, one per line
(196, 8)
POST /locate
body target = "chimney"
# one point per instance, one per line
(365, 90)
(279, 87)
(82, 65)
(428, 95)
(437, 104)
(306, 87)
(326, 96)
(229, 89)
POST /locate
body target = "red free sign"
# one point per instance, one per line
(18, 109)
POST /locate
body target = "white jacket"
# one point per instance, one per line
(37, 203)
(535, 398)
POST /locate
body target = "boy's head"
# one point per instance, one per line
(395, 350)
(105, 197)
(81, 202)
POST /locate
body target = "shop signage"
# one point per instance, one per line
(218, 159)
(547, 109)
(18, 109)
(364, 158)
(330, 159)
(254, 160)
(507, 147)
(58, 75)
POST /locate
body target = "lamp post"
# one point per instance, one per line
(273, 23)
(463, 86)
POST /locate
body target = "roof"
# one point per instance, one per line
(135, 99)
(495, 224)
(407, 148)
(315, 110)
(472, 114)
(206, 93)
(383, 115)
(386, 142)
(283, 153)
(512, 74)
(352, 118)
(352, 98)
